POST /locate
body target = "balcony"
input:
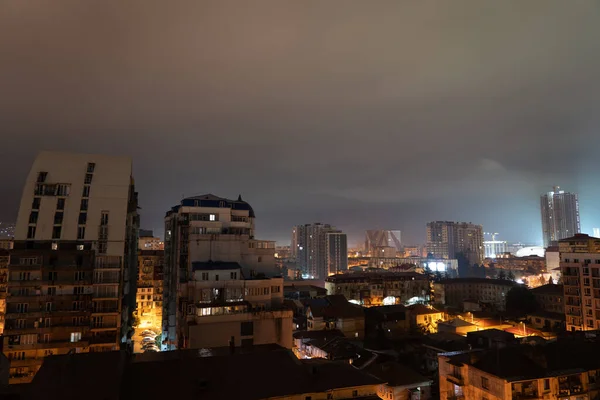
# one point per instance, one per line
(27, 362)
(455, 379)
(104, 339)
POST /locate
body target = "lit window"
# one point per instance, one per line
(55, 245)
(212, 217)
(75, 337)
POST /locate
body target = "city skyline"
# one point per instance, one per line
(366, 116)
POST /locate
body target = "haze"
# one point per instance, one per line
(362, 114)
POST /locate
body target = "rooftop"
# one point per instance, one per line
(421, 309)
(385, 275)
(551, 289)
(457, 323)
(396, 374)
(212, 201)
(334, 306)
(504, 282)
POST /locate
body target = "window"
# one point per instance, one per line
(77, 305)
(58, 217)
(212, 217)
(86, 191)
(56, 231)
(104, 218)
(546, 385)
(21, 323)
(247, 328)
(33, 217)
(75, 337)
(46, 338)
(36, 203)
(485, 383)
(205, 276)
(42, 177)
(80, 232)
(22, 307)
(355, 393)
(78, 290)
(216, 277)
(233, 275)
(24, 276)
(60, 204)
(84, 205)
(28, 261)
(49, 306)
(29, 339)
(88, 179)
(79, 247)
(31, 232)
(90, 167)
(52, 275)
(46, 323)
(79, 275)
(82, 218)
(51, 290)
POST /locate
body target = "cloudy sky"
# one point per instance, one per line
(363, 114)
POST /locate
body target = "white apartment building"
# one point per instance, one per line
(208, 228)
(580, 268)
(72, 274)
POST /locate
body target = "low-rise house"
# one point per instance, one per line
(453, 292)
(424, 318)
(547, 321)
(550, 298)
(441, 342)
(401, 382)
(335, 312)
(563, 369)
(457, 325)
(387, 321)
(490, 338)
(299, 291)
(304, 340)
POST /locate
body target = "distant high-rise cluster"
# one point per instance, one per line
(447, 239)
(382, 238)
(7, 230)
(319, 249)
(560, 216)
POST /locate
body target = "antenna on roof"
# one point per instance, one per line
(239, 197)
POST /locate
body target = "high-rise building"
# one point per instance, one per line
(560, 216)
(72, 271)
(580, 268)
(207, 228)
(596, 232)
(312, 256)
(337, 252)
(382, 238)
(447, 239)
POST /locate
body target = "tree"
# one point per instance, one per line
(510, 276)
(501, 274)
(520, 300)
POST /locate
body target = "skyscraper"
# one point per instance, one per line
(560, 216)
(337, 252)
(382, 238)
(312, 256)
(446, 239)
(73, 269)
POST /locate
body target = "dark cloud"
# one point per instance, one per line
(362, 114)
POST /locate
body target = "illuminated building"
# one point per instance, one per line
(373, 288)
(72, 272)
(6, 244)
(447, 239)
(150, 242)
(580, 268)
(494, 248)
(318, 253)
(382, 238)
(560, 216)
(149, 297)
(201, 229)
(4, 261)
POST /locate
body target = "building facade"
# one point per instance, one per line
(316, 252)
(201, 229)
(223, 308)
(72, 272)
(454, 292)
(4, 261)
(380, 288)
(560, 216)
(580, 268)
(447, 239)
(149, 298)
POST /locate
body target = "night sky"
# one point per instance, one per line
(362, 114)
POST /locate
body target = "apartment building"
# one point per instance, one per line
(447, 239)
(560, 216)
(454, 292)
(4, 260)
(380, 288)
(149, 297)
(223, 308)
(320, 250)
(202, 229)
(580, 268)
(72, 272)
(335, 312)
(564, 369)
